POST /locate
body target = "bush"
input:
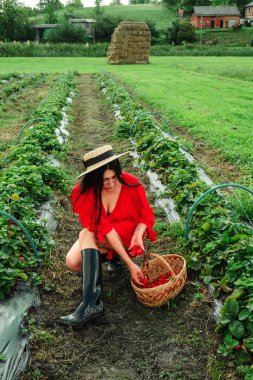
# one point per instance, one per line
(186, 33)
(181, 32)
(104, 27)
(53, 50)
(67, 33)
(152, 27)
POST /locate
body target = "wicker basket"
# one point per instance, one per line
(154, 268)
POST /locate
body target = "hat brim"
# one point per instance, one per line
(102, 163)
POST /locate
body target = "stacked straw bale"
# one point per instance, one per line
(130, 43)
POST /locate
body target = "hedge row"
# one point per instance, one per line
(19, 49)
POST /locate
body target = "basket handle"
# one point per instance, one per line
(146, 255)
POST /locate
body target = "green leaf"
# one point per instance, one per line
(207, 279)
(248, 342)
(243, 357)
(237, 329)
(205, 226)
(230, 342)
(250, 327)
(23, 276)
(222, 349)
(243, 314)
(230, 309)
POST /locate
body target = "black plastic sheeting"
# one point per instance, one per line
(14, 347)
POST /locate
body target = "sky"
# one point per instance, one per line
(86, 3)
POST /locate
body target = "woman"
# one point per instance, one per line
(115, 214)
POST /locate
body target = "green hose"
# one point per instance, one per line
(25, 232)
(203, 195)
(150, 113)
(41, 119)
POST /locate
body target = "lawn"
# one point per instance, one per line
(211, 96)
(159, 15)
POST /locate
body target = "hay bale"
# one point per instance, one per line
(130, 43)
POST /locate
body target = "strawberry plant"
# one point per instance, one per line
(18, 86)
(27, 180)
(220, 245)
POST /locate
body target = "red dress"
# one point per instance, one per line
(132, 207)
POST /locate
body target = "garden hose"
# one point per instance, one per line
(25, 232)
(41, 119)
(203, 195)
(150, 113)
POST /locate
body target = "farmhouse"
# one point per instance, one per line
(249, 11)
(215, 17)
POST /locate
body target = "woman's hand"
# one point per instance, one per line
(136, 274)
(137, 240)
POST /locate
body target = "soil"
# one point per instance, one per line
(131, 341)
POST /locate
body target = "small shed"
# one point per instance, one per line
(215, 17)
(85, 23)
(40, 28)
(249, 11)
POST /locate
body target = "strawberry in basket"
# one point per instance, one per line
(135, 251)
(163, 279)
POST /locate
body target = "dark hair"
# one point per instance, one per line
(94, 181)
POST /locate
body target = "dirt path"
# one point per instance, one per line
(130, 341)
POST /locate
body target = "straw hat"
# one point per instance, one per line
(99, 157)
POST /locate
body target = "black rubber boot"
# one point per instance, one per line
(91, 306)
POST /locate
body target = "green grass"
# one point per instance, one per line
(228, 37)
(210, 96)
(161, 16)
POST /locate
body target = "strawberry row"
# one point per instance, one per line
(29, 179)
(17, 87)
(220, 246)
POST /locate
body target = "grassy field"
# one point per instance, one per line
(161, 16)
(228, 37)
(212, 97)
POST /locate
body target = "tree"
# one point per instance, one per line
(98, 9)
(116, 2)
(104, 27)
(50, 17)
(75, 4)
(14, 21)
(53, 4)
(187, 5)
(240, 4)
(181, 32)
(139, 1)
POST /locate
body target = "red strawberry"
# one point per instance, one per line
(139, 251)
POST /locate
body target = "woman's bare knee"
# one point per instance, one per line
(74, 258)
(73, 265)
(87, 239)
